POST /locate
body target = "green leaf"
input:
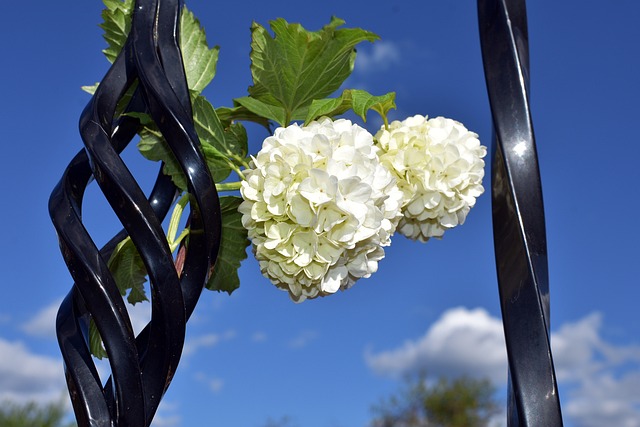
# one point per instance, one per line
(224, 277)
(231, 114)
(217, 163)
(262, 109)
(137, 293)
(227, 144)
(199, 61)
(116, 25)
(212, 139)
(95, 341)
(210, 129)
(297, 66)
(235, 137)
(128, 271)
(363, 101)
(154, 147)
(224, 149)
(90, 89)
(124, 101)
(328, 107)
(359, 100)
(144, 118)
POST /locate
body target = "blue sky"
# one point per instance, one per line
(255, 355)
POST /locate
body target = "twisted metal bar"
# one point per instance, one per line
(142, 367)
(518, 217)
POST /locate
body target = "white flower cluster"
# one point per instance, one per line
(319, 207)
(439, 168)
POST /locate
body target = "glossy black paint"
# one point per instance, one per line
(142, 367)
(518, 217)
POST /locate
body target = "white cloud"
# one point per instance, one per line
(303, 339)
(599, 381)
(166, 421)
(215, 384)
(605, 400)
(166, 417)
(602, 380)
(204, 341)
(192, 345)
(461, 342)
(139, 314)
(25, 376)
(43, 324)
(259, 337)
(380, 56)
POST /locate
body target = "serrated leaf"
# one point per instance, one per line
(208, 125)
(116, 25)
(297, 66)
(224, 277)
(95, 341)
(199, 61)
(231, 114)
(90, 89)
(221, 147)
(212, 141)
(126, 98)
(328, 107)
(145, 119)
(235, 136)
(137, 293)
(217, 163)
(262, 109)
(230, 142)
(362, 101)
(128, 271)
(154, 147)
(300, 113)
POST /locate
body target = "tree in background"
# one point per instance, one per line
(459, 402)
(33, 415)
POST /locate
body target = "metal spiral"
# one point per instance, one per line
(518, 217)
(141, 367)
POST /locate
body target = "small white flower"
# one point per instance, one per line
(439, 168)
(319, 206)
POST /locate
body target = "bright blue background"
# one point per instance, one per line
(256, 355)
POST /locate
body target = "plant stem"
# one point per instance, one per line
(174, 222)
(237, 170)
(229, 186)
(173, 246)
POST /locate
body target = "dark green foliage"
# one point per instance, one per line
(459, 402)
(33, 415)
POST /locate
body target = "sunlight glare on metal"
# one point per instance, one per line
(520, 148)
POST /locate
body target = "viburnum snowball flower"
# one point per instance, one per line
(319, 207)
(439, 168)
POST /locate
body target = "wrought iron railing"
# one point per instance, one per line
(142, 367)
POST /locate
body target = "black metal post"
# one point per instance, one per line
(142, 367)
(518, 217)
